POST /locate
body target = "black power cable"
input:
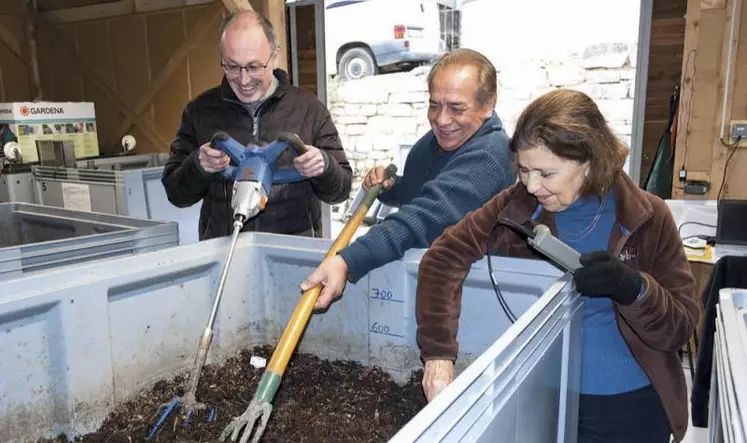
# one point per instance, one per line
(733, 147)
(501, 299)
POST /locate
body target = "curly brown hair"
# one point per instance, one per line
(569, 124)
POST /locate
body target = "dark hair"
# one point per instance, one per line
(266, 25)
(569, 124)
(487, 78)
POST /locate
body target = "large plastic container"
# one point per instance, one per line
(112, 188)
(16, 184)
(143, 318)
(35, 238)
(523, 389)
(728, 399)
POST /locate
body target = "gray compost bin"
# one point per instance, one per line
(16, 184)
(143, 317)
(728, 399)
(120, 185)
(35, 238)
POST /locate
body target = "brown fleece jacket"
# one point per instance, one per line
(645, 237)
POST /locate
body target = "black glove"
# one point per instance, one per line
(603, 275)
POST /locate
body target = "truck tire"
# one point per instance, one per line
(357, 63)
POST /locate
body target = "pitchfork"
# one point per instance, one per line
(188, 403)
(260, 407)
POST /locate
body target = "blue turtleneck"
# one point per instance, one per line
(607, 365)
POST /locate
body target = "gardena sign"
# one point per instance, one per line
(26, 110)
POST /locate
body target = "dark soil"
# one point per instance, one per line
(318, 401)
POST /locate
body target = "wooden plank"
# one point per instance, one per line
(165, 37)
(733, 179)
(68, 82)
(107, 116)
(130, 54)
(52, 5)
(274, 10)
(736, 182)
(15, 78)
(94, 44)
(234, 6)
(9, 38)
(13, 7)
(74, 60)
(692, 31)
(47, 69)
(669, 9)
(737, 108)
(204, 57)
(712, 4)
(667, 31)
(165, 71)
(82, 13)
(706, 98)
(160, 5)
(116, 9)
(169, 102)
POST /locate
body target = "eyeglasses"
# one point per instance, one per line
(251, 69)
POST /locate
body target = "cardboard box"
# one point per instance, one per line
(32, 121)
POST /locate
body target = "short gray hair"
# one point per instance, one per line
(487, 77)
(266, 25)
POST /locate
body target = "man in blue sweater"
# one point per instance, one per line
(453, 169)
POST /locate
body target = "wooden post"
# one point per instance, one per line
(274, 10)
(33, 63)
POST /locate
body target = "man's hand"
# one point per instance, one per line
(213, 160)
(332, 274)
(310, 164)
(437, 375)
(374, 177)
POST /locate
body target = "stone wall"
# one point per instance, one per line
(377, 114)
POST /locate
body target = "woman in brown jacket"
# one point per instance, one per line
(636, 284)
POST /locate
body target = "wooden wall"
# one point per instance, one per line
(139, 67)
(306, 34)
(704, 79)
(664, 72)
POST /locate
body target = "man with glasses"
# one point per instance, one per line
(254, 104)
(453, 169)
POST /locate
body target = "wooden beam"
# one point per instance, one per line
(87, 70)
(159, 5)
(274, 10)
(712, 4)
(235, 6)
(213, 16)
(114, 9)
(81, 13)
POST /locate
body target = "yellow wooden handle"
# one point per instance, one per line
(305, 306)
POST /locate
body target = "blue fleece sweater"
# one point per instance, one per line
(607, 365)
(436, 190)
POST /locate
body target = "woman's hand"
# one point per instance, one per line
(604, 275)
(438, 374)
